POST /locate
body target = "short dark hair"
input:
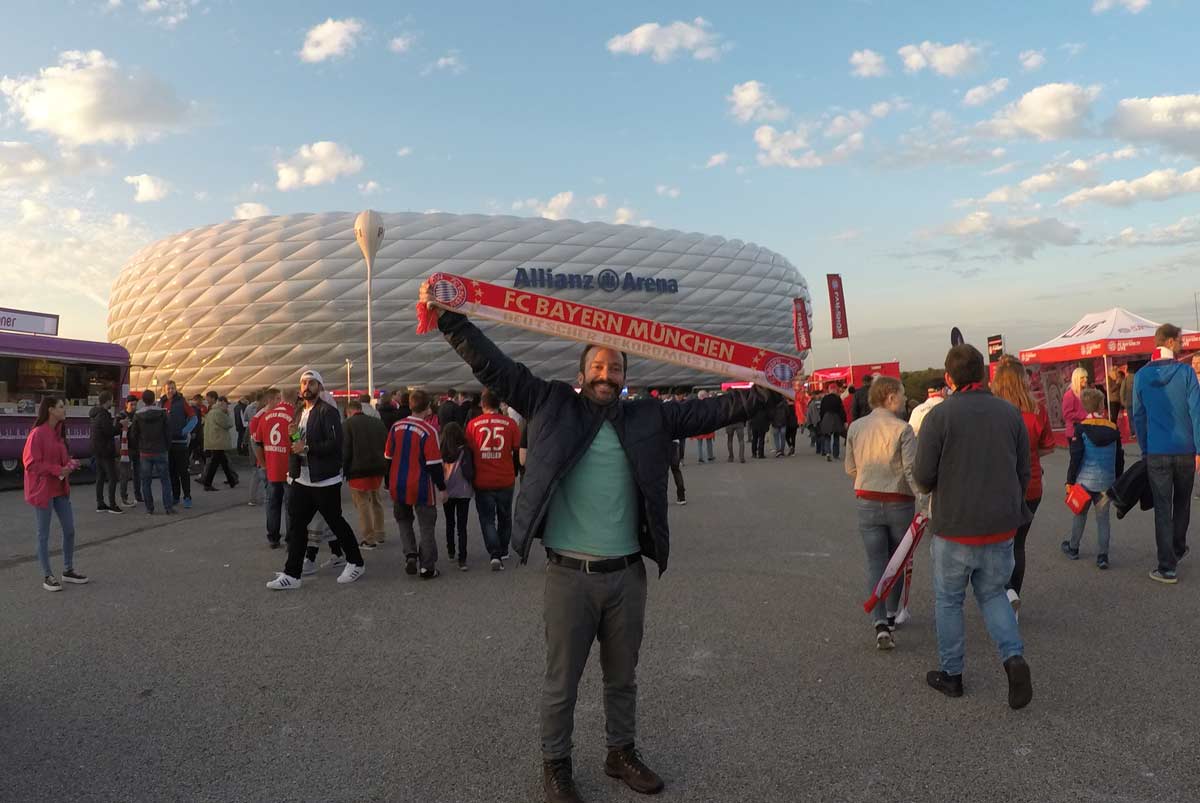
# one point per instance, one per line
(355, 404)
(964, 364)
(419, 401)
(489, 400)
(1168, 331)
(148, 398)
(365, 398)
(452, 392)
(589, 347)
(212, 394)
(105, 397)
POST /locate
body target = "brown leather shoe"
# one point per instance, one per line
(626, 763)
(558, 782)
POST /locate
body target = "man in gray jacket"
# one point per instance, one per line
(973, 457)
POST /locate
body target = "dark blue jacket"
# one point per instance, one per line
(181, 418)
(562, 424)
(1097, 458)
(1166, 408)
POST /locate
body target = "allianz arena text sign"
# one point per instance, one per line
(607, 280)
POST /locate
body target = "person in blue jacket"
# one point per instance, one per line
(181, 420)
(1166, 418)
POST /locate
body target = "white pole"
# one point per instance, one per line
(368, 231)
(348, 364)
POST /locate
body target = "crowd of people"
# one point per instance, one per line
(592, 465)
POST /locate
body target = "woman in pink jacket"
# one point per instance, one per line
(1072, 406)
(47, 466)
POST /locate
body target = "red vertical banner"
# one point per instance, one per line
(800, 325)
(837, 306)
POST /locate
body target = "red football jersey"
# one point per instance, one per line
(255, 420)
(493, 438)
(276, 440)
(411, 446)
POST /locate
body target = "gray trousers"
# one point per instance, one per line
(426, 516)
(580, 608)
(736, 431)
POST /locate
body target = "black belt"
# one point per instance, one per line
(594, 566)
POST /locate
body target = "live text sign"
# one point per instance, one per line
(33, 323)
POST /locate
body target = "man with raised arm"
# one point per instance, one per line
(595, 493)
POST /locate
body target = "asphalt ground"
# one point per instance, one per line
(175, 675)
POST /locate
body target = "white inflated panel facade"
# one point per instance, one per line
(246, 304)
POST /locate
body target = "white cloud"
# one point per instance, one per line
(1007, 167)
(553, 209)
(32, 211)
(167, 13)
(22, 161)
(793, 148)
(846, 235)
(1050, 111)
(979, 95)
(947, 60)
(1075, 173)
(86, 99)
(599, 201)
(717, 159)
(939, 141)
(405, 151)
(665, 191)
(843, 125)
(369, 188)
(1169, 120)
(249, 210)
(1184, 231)
(402, 43)
(751, 101)
(664, 42)
(1072, 49)
(1032, 59)
(318, 163)
(1022, 238)
(1158, 185)
(867, 64)
(149, 188)
(624, 215)
(121, 221)
(330, 39)
(200, 195)
(885, 107)
(1132, 6)
(450, 62)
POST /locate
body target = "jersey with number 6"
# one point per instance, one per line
(493, 438)
(274, 436)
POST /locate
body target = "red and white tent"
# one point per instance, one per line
(1109, 333)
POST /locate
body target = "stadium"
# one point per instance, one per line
(247, 303)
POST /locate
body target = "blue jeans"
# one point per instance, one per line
(258, 485)
(495, 519)
(987, 568)
(1103, 510)
(777, 437)
(156, 466)
(1171, 477)
(60, 505)
(882, 526)
(701, 449)
(829, 445)
(276, 502)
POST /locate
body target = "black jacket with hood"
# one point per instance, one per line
(150, 431)
(562, 424)
(103, 432)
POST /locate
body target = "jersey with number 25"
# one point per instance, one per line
(493, 438)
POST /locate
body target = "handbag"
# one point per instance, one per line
(1078, 498)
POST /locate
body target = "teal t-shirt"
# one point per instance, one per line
(594, 509)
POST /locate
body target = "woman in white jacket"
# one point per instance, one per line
(880, 449)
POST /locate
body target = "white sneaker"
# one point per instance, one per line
(497, 565)
(1014, 599)
(351, 573)
(310, 567)
(334, 562)
(283, 582)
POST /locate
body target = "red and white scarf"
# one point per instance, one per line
(900, 565)
(637, 336)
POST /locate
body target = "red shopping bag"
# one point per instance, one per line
(1077, 498)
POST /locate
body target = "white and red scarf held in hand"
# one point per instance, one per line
(637, 336)
(900, 565)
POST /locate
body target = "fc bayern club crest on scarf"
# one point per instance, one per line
(640, 337)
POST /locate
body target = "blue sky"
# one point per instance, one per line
(1003, 168)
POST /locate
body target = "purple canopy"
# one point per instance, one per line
(61, 348)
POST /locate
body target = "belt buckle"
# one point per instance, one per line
(587, 567)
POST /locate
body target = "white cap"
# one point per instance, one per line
(309, 373)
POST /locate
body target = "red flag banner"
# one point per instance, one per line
(837, 306)
(800, 325)
(636, 336)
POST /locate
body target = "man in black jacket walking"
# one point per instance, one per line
(315, 469)
(104, 450)
(595, 492)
